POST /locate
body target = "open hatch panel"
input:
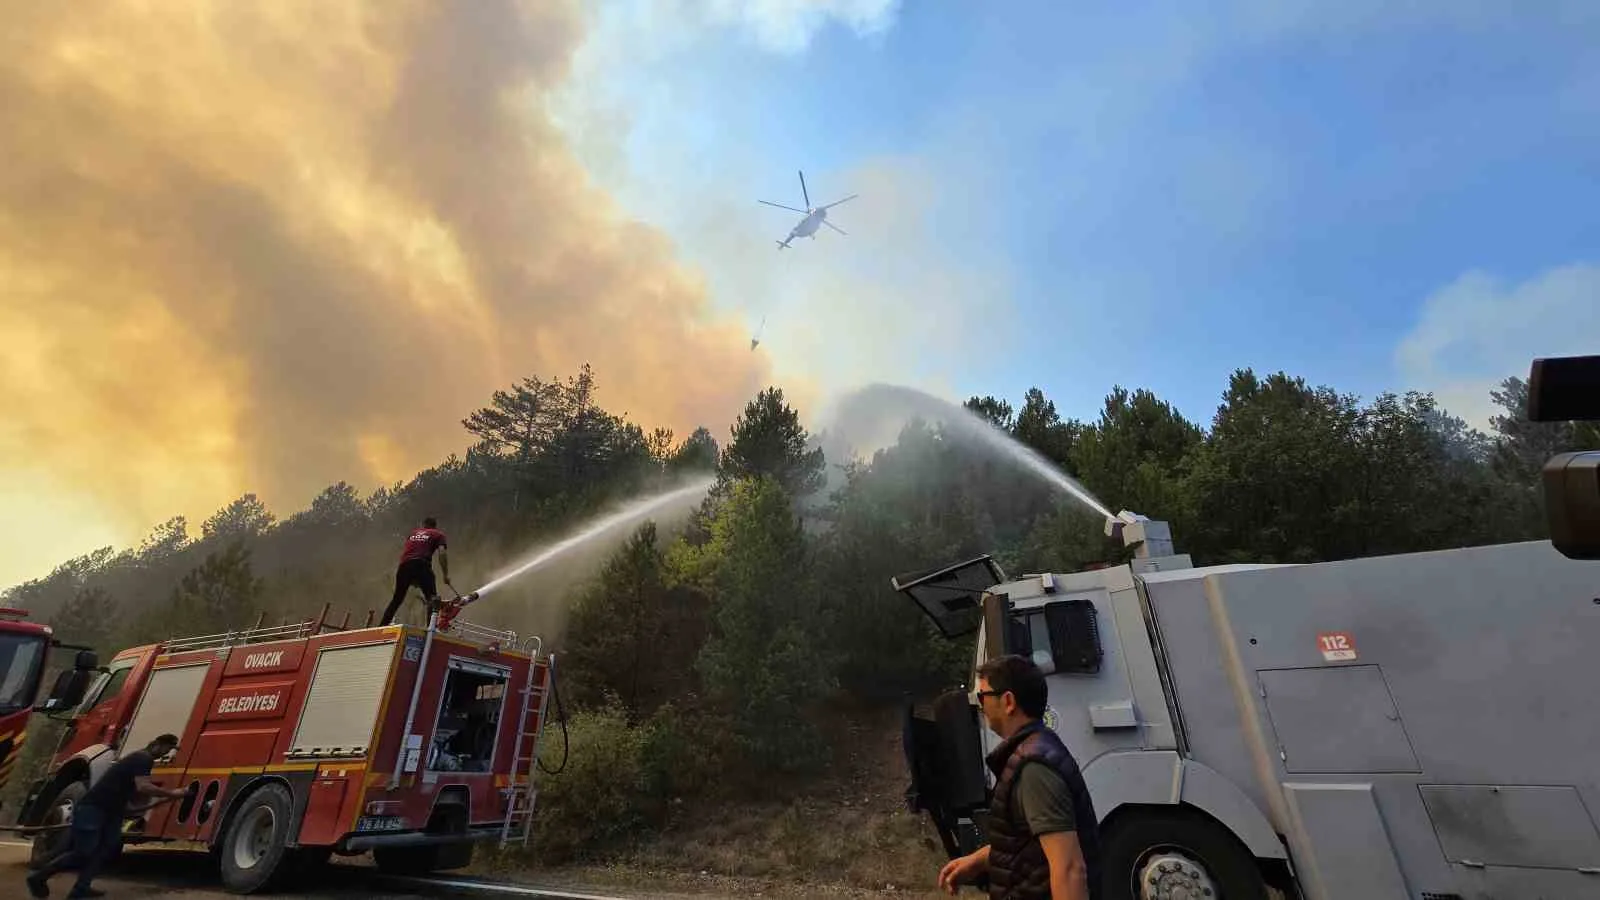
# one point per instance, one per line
(952, 596)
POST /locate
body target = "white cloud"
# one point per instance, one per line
(650, 30)
(787, 26)
(1476, 331)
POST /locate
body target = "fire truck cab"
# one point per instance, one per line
(24, 652)
(304, 740)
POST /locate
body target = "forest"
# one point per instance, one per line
(703, 658)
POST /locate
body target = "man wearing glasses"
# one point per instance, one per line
(1044, 837)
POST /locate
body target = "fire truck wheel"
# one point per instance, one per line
(1163, 851)
(254, 845)
(50, 844)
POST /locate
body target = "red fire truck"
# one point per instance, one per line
(23, 647)
(303, 740)
(24, 651)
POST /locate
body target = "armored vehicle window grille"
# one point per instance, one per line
(342, 706)
(166, 706)
(1074, 630)
(1068, 630)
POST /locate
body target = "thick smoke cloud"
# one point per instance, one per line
(270, 246)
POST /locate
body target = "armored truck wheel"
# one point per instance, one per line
(1165, 852)
(254, 845)
(49, 844)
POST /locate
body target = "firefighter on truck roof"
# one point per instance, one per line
(416, 567)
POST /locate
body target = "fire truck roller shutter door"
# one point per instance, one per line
(341, 707)
(167, 705)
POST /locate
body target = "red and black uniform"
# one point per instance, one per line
(416, 568)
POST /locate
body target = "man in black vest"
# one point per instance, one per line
(1044, 840)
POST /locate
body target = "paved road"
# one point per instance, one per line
(154, 874)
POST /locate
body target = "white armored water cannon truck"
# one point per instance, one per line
(1413, 727)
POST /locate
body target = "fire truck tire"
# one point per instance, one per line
(1179, 850)
(256, 841)
(49, 844)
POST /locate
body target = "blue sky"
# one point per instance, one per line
(1073, 195)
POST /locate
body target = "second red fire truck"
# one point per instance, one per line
(304, 740)
(24, 653)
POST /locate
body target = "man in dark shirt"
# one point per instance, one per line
(97, 818)
(416, 567)
(1044, 835)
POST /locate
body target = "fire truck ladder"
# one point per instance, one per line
(253, 635)
(259, 633)
(521, 797)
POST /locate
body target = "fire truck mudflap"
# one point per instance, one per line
(301, 741)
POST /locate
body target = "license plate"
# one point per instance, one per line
(380, 823)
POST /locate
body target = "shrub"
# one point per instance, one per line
(593, 802)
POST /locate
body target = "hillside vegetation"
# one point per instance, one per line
(730, 676)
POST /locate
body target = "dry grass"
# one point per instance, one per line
(845, 835)
(805, 841)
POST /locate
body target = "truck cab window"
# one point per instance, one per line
(21, 666)
(469, 719)
(107, 687)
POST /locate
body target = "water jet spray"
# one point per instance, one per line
(865, 412)
(630, 514)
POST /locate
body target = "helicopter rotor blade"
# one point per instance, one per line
(781, 206)
(803, 191)
(834, 227)
(837, 202)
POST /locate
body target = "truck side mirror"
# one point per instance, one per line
(86, 660)
(1567, 389)
(1572, 503)
(68, 691)
(998, 638)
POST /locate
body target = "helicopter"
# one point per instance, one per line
(815, 217)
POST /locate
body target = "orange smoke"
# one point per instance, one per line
(267, 247)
